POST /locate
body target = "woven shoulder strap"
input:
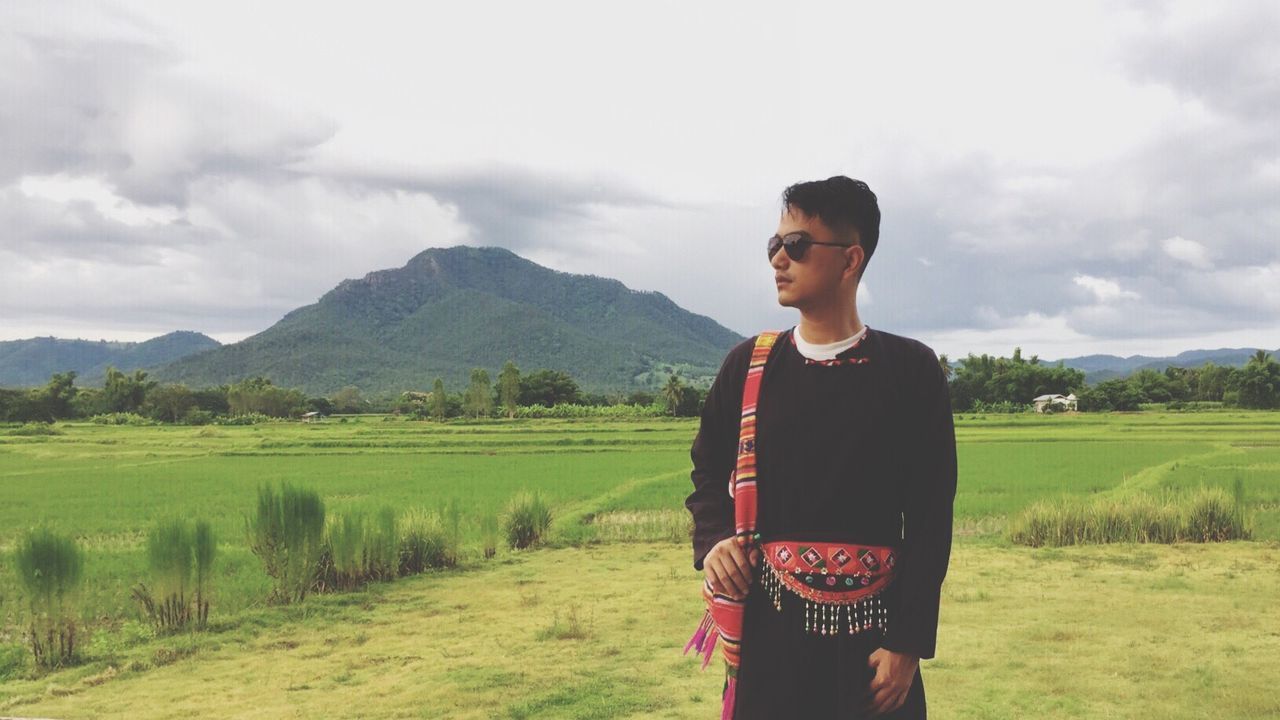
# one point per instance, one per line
(742, 483)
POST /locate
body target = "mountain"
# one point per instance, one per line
(1098, 368)
(449, 310)
(31, 362)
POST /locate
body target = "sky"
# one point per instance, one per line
(1068, 178)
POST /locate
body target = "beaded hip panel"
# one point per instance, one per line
(840, 583)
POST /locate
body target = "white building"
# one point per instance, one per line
(1067, 402)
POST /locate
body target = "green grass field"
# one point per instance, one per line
(1044, 633)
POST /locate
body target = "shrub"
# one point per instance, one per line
(359, 549)
(1213, 517)
(526, 520)
(50, 567)
(1206, 515)
(35, 429)
(426, 542)
(251, 418)
(175, 551)
(344, 546)
(489, 535)
(567, 410)
(121, 418)
(196, 416)
(287, 534)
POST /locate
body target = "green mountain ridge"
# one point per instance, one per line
(449, 310)
(30, 362)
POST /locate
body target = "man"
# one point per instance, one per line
(853, 443)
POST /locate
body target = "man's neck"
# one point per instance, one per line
(829, 325)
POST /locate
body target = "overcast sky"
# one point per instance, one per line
(1075, 178)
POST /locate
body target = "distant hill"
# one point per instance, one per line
(30, 362)
(1098, 368)
(452, 309)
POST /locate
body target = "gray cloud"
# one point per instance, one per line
(974, 241)
(117, 106)
(510, 206)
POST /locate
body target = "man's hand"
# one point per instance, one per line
(728, 567)
(894, 674)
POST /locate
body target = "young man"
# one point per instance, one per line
(854, 452)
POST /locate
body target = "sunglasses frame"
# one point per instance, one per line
(797, 245)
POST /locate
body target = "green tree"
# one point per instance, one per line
(125, 393)
(52, 402)
(673, 393)
(548, 388)
(1258, 383)
(946, 365)
(349, 400)
(509, 388)
(439, 401)
(258, 395)
(479, 398)
(169, 403)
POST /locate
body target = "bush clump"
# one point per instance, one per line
(359, 548)
(428, 540)
(286, 532)
(178, 552)
(121, 418)
(1207, 515)
(527, 519)
(251, 418)
(50, 567)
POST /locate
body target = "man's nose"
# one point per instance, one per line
(780, 260)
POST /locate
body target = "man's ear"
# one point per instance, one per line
(853, 258)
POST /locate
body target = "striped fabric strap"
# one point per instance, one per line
(743, 481)
(723, 618)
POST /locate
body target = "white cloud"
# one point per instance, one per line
(1187, 251)
(1104, 290)
(228, 164)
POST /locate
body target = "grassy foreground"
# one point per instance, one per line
(1122, 631)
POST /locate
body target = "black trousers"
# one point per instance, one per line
(787, 672)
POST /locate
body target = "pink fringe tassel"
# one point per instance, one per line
(700, 636)
(711, 646)
(730, 694)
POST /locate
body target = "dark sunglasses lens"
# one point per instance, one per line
(796, 247)
(775, 244)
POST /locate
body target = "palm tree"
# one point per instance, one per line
(673, 393)
(1261, 357)
(946, 365)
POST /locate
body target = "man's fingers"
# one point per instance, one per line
(719, 577)
(730, 579)
(880, 701)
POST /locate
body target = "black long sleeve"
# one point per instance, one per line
(714, 454)
(861, 453)
(927, 514)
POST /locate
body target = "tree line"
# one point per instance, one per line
(127, 397)
(978, 383)
(984, 383)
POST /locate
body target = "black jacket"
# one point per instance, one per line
(859, 453)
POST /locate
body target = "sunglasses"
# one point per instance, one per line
(797, 244)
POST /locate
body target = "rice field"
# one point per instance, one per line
(618, 483)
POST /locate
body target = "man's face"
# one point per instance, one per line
(814, 279)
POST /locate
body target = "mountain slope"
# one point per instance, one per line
(30, 362)
(451, 309)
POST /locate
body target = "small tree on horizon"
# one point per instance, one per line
(673, 393)
(479, 398)
(509, 388)
(439, 403)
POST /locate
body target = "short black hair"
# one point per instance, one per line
(842, 204)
